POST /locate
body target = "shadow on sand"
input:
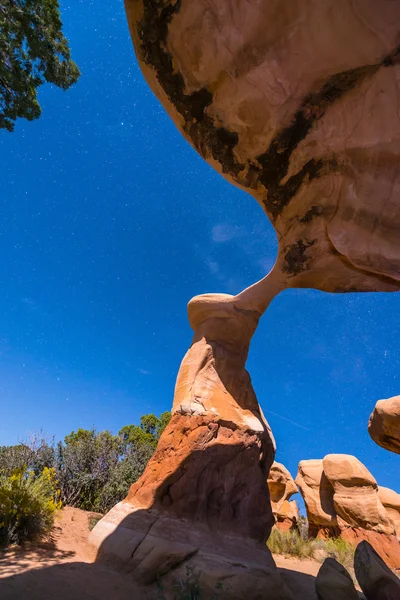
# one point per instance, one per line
(86, 581)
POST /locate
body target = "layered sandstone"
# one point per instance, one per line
(384, 424)
(341, 498)
(203, 503)
(317, 493)
(391, 501)
(281, 488)
(355, 494)
(299, 107)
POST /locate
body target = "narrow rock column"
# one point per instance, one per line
(202, 503)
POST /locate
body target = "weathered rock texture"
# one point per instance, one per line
(341, 498)
(376, 580)
(333, 582)
(281, 488)
(203, 501)
(355, 494)
(299, 107)
(384, 424)
(391, 501)
(318, 498)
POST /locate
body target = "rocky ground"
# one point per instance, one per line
(62, 569)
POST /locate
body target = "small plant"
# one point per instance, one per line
(93, 520)
(341, 550)
(291, 543)
(28, 504)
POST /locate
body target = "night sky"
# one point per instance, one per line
(110, 223)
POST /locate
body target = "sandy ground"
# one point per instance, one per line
(62, 569)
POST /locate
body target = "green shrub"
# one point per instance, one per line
(341, 550)
(28, 504)
(290, 543)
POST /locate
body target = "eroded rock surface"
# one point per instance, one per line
(355, 494)
(281, 488)
(377, 581)
(203, 502)
(299, 107)
(317, 493)
(384, 424)
(333, 582)
(391, 501)
(341, 498)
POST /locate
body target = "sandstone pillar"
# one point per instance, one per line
(202, 504)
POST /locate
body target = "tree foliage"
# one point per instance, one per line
(94, 470)
(33, 50)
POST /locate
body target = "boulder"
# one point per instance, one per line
(391, 501)
(376, 580)
(281, 488)
(317, 494)
(355, 494)
(360, 513)
(202, 504)
(384, 424)
(333, 582)
(298, 107)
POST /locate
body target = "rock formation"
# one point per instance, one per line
(384, 424)
(333, 582)
(281, 488)
(341, 498)
(203, 501)
(391, 502)
(377, 581)
(355, 494)
(299, 108)
(317, 493)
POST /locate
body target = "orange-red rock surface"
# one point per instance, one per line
(298, 105)
(384, 424)
(203, 500)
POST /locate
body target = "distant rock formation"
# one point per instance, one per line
(355, 494)
(341, 498)
(203, 502)
(384, 424)
(391, 501)
(281, 488)
(317, 493)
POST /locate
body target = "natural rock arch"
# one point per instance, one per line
(295, 103)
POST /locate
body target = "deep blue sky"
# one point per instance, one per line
(110, 223)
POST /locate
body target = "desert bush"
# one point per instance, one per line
(94, 469)
(291, 543)
(341, 550)
(28, 504)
